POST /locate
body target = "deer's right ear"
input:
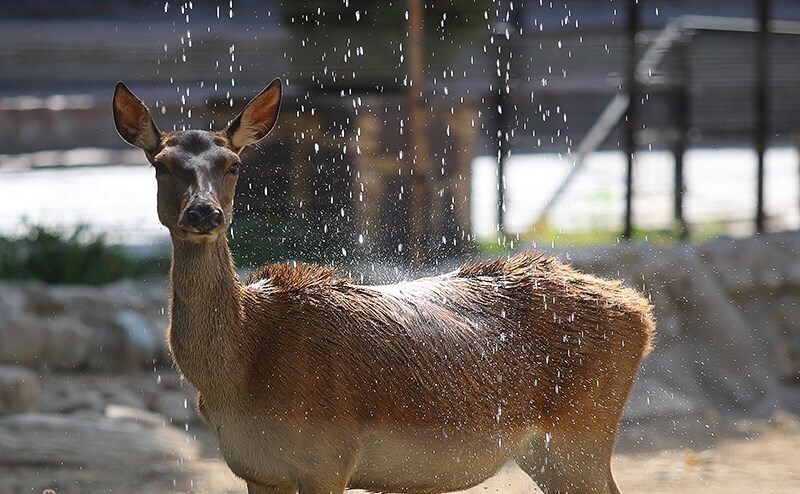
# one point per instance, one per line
(133, 120)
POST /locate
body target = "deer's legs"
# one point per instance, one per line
(570, 463)
(271, 489)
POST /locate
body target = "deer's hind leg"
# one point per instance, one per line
(562, 463)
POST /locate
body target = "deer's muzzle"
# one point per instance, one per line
(203, 218)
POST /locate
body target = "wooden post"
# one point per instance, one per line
(762, 122)
(423, 209)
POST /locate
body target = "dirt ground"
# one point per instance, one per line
(751, 456)
(766, 462)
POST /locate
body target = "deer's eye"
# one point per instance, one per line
(161, 168)
(234, 168)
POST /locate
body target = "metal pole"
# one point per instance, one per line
(501, 148)
(681, 122)
(507, 25)
(631, 116)
(762, 68)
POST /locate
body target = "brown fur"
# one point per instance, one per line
(313, 383)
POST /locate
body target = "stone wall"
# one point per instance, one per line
(87, 388)
(80, 328)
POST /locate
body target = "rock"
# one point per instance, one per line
(178, 407)
(725, 258)
(649, 399)
(91, 441)
(13, 300)
(150, 303)
(73, 402)
(115, 394)
(46, 301)
(770, 279)
(136, 415)
(19, 390)
(785, 421)
(22, 341)
(140, 345)
(68, 343)
(708, 351)
(788, 352)
(792, 275)
(788, 314)
(106, 351)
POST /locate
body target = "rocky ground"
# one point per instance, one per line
(89, 401)
(139, 433)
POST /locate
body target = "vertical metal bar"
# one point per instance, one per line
(762, 68)
(631, 117)
(507, 25)
(501, 148)
(683, 227)
(681, 122)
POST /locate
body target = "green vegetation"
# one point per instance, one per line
(81, 257)
(546, 235)
(316, 13)
(323, 238)
(76, 257)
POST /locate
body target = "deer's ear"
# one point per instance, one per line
(257, 118)
(133, 120)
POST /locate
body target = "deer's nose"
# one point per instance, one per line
(203, 217)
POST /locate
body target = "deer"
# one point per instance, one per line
(313, 384)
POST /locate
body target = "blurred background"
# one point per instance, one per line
(650, 140)
(416, 135)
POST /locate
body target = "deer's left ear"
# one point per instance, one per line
(257, 119)
(133, 120)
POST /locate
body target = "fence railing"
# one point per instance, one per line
(665, 68)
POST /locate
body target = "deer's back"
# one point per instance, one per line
(507, 342)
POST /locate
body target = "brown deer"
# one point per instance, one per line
(314, 384)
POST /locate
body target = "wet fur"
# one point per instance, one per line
(313, 384)
(453, 374)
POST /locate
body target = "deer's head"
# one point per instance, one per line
(196, 170)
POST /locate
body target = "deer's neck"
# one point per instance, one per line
(205, 311)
